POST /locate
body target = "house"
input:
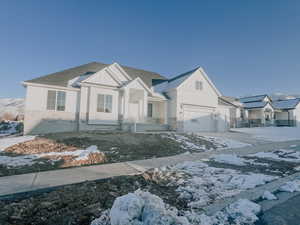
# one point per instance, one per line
(258, 110)
(98, 96)
(288, 112)
(261, 110)
(236, 110)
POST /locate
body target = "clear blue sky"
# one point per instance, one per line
(245, 46)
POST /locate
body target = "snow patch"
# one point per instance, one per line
(236, 160)
(7, 142)
(17, 161)
(282, 155)
(268, 196)
(29, 160)
(225, 143)
(230, 159)
(290, 186)
(141, 208)
(144, 208)
(200, 185)
(79, 154)
(184, 141)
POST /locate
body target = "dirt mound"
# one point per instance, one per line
(39, 145)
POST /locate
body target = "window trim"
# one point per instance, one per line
(104, 103)
(56, 100)
(199, 85)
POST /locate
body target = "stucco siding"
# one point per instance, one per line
(223, 118)
(187, 93)
(39, 120)
(102, 117)
(172, 109)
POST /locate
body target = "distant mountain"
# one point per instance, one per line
(14, 106)
(281, 96)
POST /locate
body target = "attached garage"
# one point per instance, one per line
(198, 119)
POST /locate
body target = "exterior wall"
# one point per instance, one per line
(158, 112)
(102, 78)
(172, 111)
(188, 95)
(223, 118)
(39, 120)
(255, 114)
(95, 117)
(297, 115)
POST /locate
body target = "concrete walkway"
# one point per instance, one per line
(47, 179)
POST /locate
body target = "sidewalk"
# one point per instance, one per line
(47, 179)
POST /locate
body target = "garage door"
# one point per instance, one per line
(198, 120)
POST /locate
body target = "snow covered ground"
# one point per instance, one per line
(279, 155)
(225, 143)
(193, 142)
(197, 184)
(272, 133)
(9, 127)
(200, 185)
(144, 208)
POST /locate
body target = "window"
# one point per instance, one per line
(199, 85)
(56, 100)
(108, 103)
(104, 103)
(61, 101)
(51, 100)
(150, 109)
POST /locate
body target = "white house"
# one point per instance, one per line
(261, 110)
(99, 96)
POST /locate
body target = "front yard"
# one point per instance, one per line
(27, 154)
(173, 195)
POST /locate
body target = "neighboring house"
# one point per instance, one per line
(99, 96)
(260, 110)
(288, 112)
(236, 110)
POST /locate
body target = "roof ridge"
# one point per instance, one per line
(254, 96)
(183, 74)
(140, 69)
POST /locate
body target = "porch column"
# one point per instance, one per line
(165, 112)
(145, 101)
(126, 104)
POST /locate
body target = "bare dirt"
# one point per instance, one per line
(80, 203)
(39, 145)
(114, 147)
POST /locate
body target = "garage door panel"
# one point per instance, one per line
(198, 120)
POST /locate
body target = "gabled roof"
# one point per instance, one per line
(251, 105)
(286, 104)
(176, 81)
(63, 77)
(256, 98)
(223, 101)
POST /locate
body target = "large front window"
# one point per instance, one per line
(56, 100)
(104, 103)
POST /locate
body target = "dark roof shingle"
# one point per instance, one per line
(62, 78)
